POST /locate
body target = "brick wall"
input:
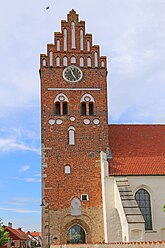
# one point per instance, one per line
(159, 244)
(58, 188)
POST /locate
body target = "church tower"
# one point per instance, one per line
(74, 127)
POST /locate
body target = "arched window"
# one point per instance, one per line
(81, 40)
(65, 61)
(87, 105)
(73, 59)
(65, 39)
(76, 235)
(57, 108)
(58, 61)
(58, 45)
(88, 46)
(89, 63)
(44, 62)
(96, 59)
(102, 63)
(73, 36)
(61, 104)
(81, 61)
(67, 169)
(143, 200)
(71, 131)
(51, 58)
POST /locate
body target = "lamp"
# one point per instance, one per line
(43, 205)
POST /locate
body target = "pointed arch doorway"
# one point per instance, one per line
(76, 235)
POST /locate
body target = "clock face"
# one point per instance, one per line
(72, 74)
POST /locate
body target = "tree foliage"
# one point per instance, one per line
(4, 236)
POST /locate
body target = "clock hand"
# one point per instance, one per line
(72, 73)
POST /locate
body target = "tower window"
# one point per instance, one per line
(57, 61)
(71, 135)
(81, 40)
(81, 61)
(73, 36)
(90, 108)
(65, 108)
(87, 105)
(83, 108)
(89, 64)
(65, 62)
(58, 45)
(67, 169)
(102, 64)
(57, 108)
(84, 197)
(73, 59)
(96, 59)
(61, 105)
(88, 46)
(143, 200)
(44, 62)
(51, 58)
(65, 39)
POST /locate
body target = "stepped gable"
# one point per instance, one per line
(137, 149)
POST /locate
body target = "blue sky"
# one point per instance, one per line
(130, 33)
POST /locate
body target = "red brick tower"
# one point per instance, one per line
(74, 128)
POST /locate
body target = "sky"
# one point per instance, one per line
(131, 33)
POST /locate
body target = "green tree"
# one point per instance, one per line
(4, 236)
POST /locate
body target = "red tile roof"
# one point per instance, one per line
(34, 234)
(16, 234)
(137, 149)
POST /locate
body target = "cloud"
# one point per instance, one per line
(20, 201)
(24, 168)
(11, 144)
(32, 180)
(15, 210)
(28, 179)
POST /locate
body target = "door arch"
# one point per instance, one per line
(76, 235)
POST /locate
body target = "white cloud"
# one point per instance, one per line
(28, 179)
(11, 144)
(24, 168)
(32, 180)
(16, 210)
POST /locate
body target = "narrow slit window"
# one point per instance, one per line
(91, 112)
(73, 36)
(83, 108)
(65, 40)
(88, 46)
(57, 108)
(44, 62)
(81, 40)
(73, 60)
(65, 62)
(51, 58)
(81, 61)
(58, 45)
(71, 131)
(96, 59)
(57, 61)
(65, 108)
(102, 64)
(89, 63)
